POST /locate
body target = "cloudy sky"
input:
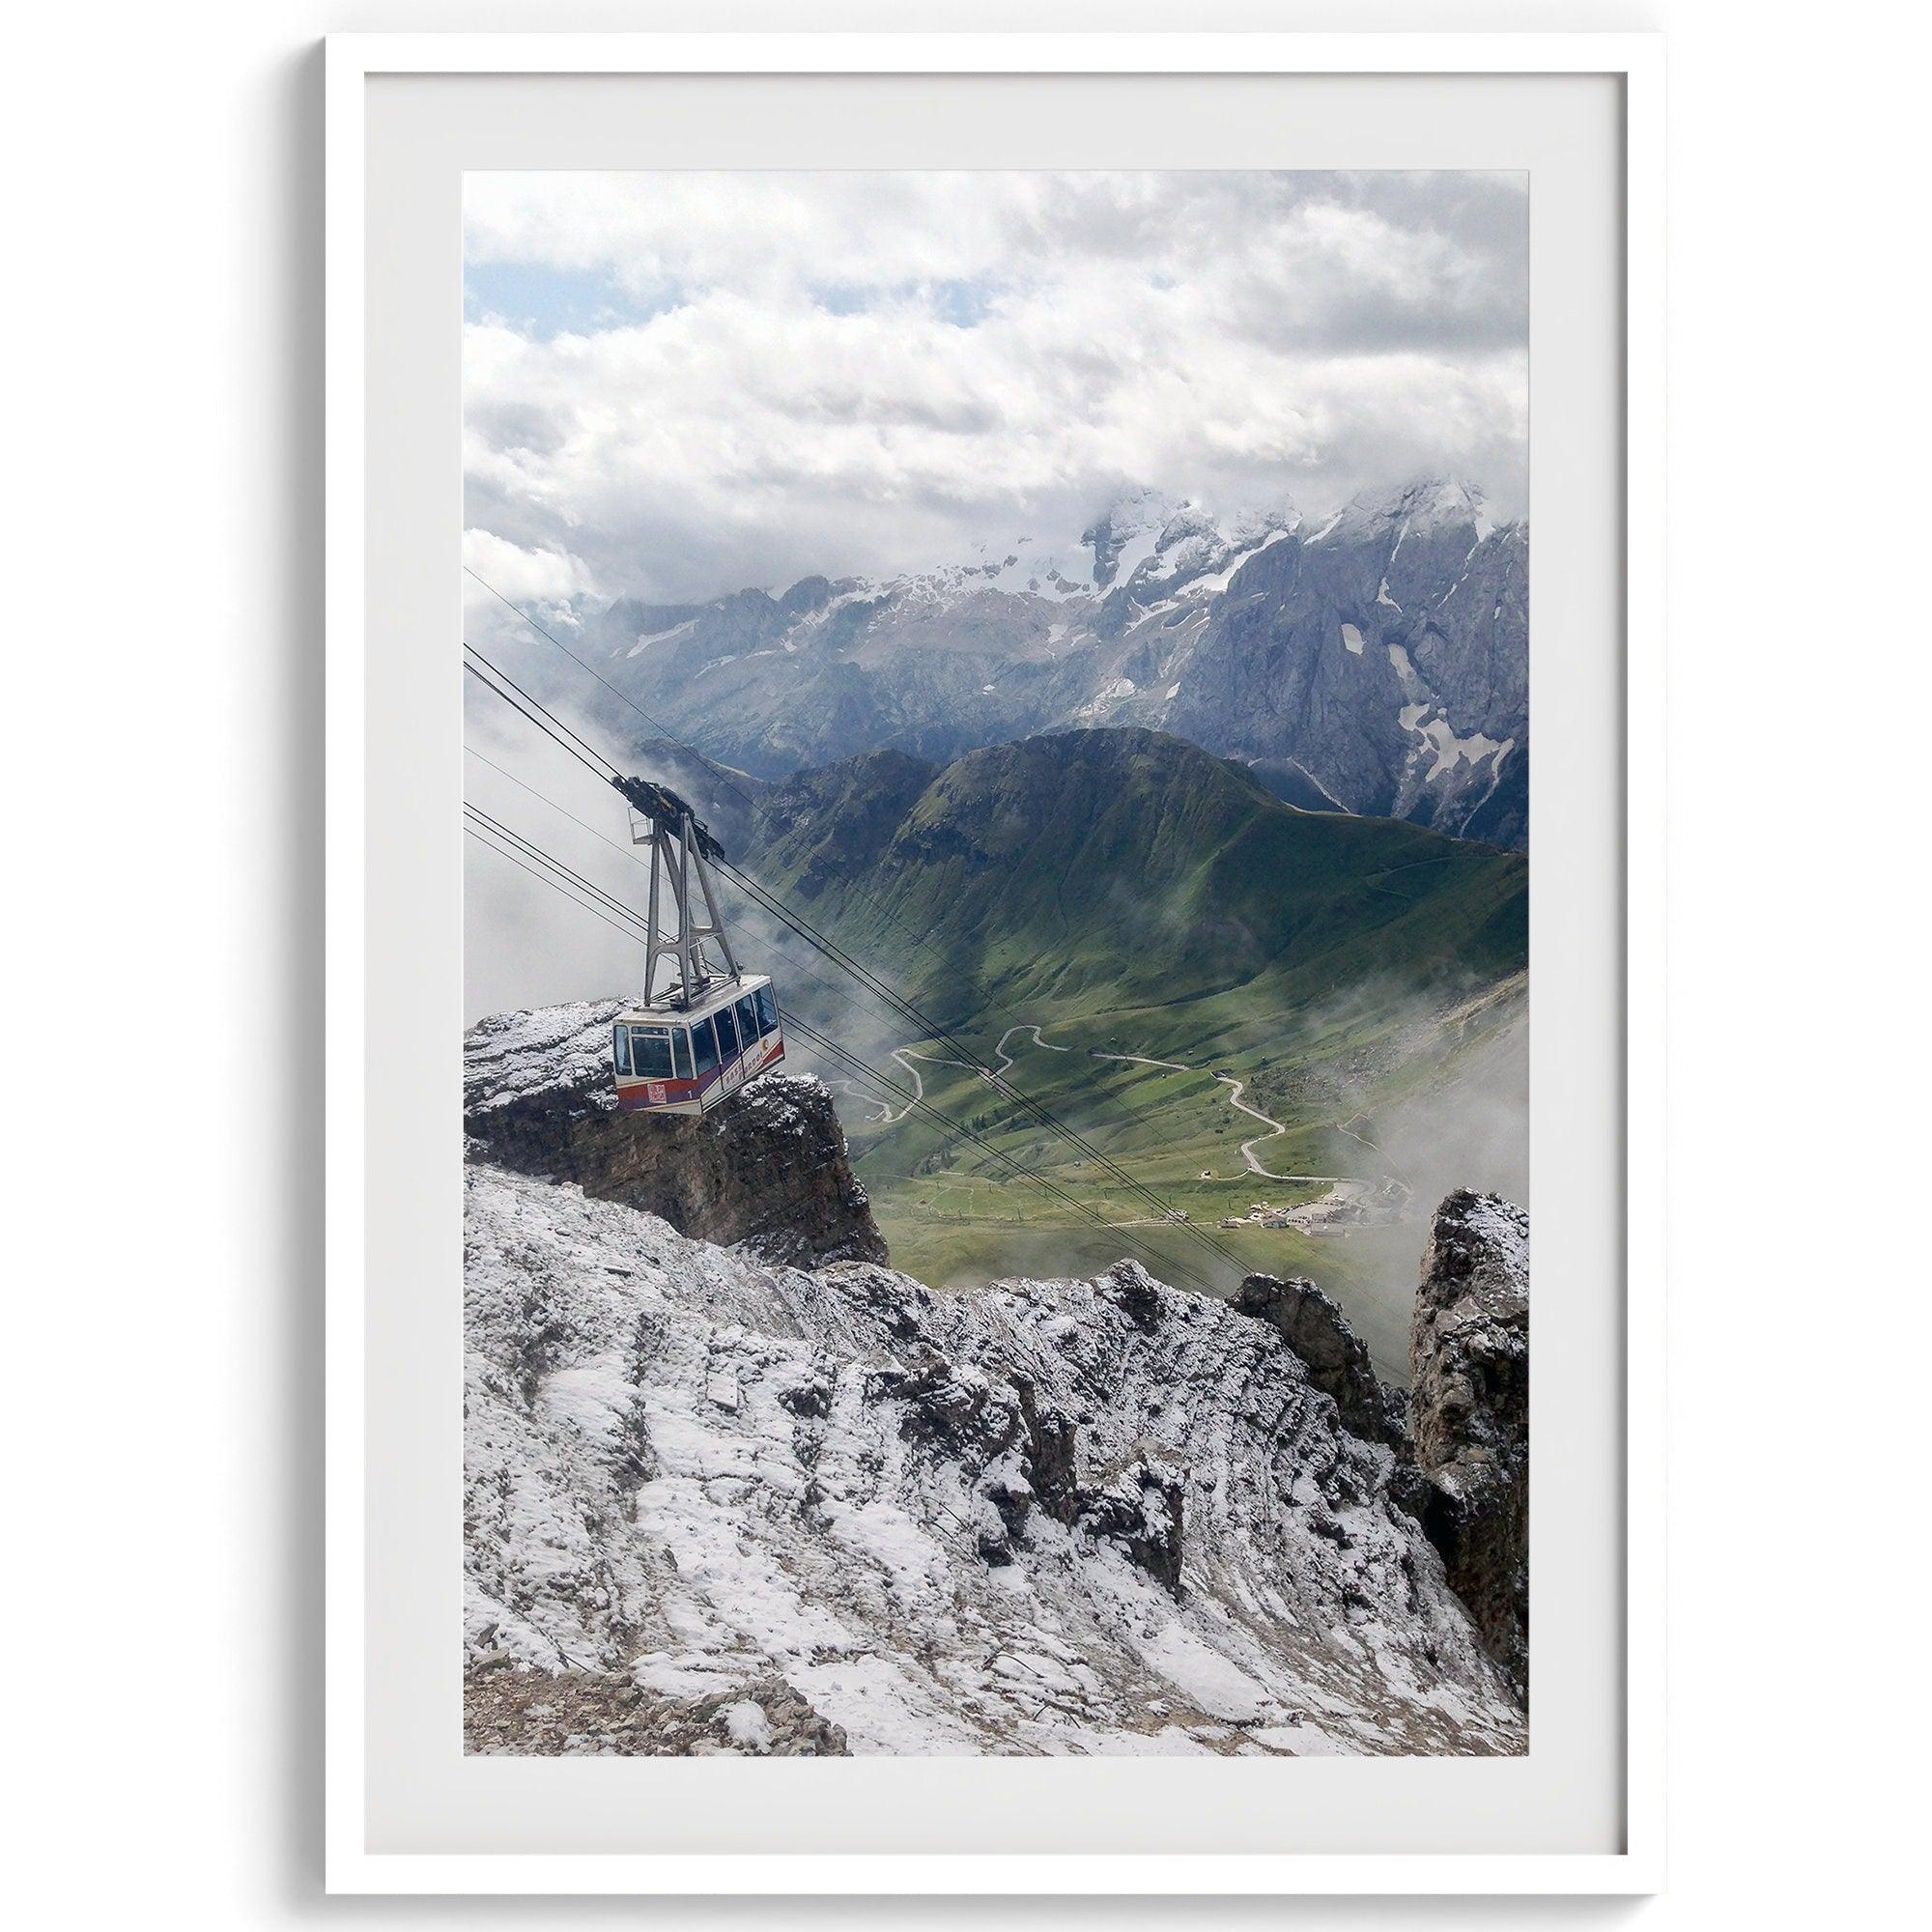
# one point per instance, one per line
(678, 384)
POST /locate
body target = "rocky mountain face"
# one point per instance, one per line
(1336, 1357)
(717, 1500)
(1377, 664)
(1469, 1413)
(769, 1171)
(1460, 1433)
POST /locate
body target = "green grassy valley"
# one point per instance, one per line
(1139, 900)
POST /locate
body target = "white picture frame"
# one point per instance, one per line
(354, 62)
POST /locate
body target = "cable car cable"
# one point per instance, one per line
(536, 852)
(657, 724)
(596, 762)
(543, 880)
(587, 751)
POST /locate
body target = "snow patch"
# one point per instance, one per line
(1452, 750)
(1205, 1678)
(747, 1725)
(644, 643)
(1214, 585)
(1134, 552)
(1318, 784)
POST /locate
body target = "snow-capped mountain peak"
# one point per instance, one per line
(1152, 538)
(1145, 537)
(1127, 534)
(1249, 527)
(1419, 508)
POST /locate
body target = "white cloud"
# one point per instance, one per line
(539, 574)
(677, 385)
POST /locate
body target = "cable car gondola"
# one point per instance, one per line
(687, 1048)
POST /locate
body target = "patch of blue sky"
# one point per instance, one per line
(544, 303)
(964, 305)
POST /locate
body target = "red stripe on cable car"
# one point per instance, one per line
(632, 1092)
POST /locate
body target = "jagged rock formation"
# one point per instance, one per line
(1461, 1435)
(1070, 1515)
(769, 1170)
(1337, 1358)
(1374, 663)
(1469, 1413)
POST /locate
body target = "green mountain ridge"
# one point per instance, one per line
(1116, 870)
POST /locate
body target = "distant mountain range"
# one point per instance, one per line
(1375, 663)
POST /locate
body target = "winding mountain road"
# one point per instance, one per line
(1003, 1060)
(1006, 1059)
(905, 1056)
(1235, 1089)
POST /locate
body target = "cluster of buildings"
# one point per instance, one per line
(1263, 1214)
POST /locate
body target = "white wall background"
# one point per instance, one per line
(162, 763)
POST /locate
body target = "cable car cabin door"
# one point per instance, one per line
(739, 1021)
(740, 1054)
(730, 1054)
(721, 1071)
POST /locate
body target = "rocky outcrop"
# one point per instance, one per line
(1031, 1450)
(1469, 1414)
(1386, 658)
(1140, 1510)
(733, 1486)
(769, 1169)
(734, 1505)
(1461, 1435)
(1336, 1356)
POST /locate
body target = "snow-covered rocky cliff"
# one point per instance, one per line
(717, 1503)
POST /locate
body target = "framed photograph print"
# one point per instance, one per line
(949, 971)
